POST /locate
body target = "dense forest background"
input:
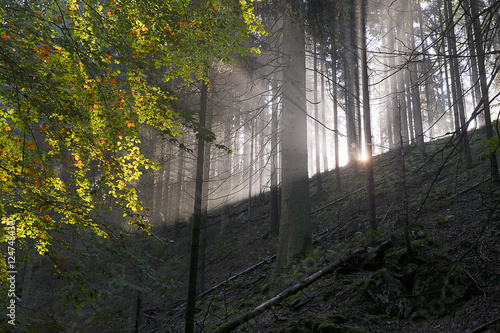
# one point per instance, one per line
(203, 165)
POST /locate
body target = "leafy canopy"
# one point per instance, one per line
(76, 80)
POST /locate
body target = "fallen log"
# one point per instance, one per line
(206, 292)
(231, 325)
(470, 188)
(257, 265)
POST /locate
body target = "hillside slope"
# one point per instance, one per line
(448, 282)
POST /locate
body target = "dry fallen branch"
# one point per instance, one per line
(237, 275)
(470, 188)
(231, 325)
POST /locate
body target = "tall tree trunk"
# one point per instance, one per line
(409, 106)
(367, 121)
(295, 226)
(323, 117)
(426, 71)
(178, 188)
(404, 215)
(195, 240)
(452, 117)
(355, 55)
(349, 91)
(475, 84)
(274, 205)
(204, 205)
(456, 84)
(402, 86)
(319, 184)
(394, 88)
(389, 95)
(402, 115)
(165, 189)
(484, 88)
(335, 117)
(415, 86)
(227, 181)
(250, 172)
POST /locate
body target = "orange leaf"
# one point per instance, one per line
(7, 128)
(4, 36)
(131, 124)
(79, 164)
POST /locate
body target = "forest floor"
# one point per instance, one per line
(448, 283)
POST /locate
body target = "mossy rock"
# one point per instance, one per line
(389, 294)
(369, 261)
(447, 295)
(406, 288)
(395, 260)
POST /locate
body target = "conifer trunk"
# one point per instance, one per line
(295, 227)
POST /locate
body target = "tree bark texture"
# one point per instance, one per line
(295, 226)
(195, 240)
(367, 121)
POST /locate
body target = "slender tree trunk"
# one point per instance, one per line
(250, 173)
(195, 241)
(335, 117)
(389, 96)
(456, 83)
(415, 87)
(274, 205)
(178, 192)
(394, 88)
(484, 88)
(204, 205)
(409, 106)
(475, 84)
(402, 115)
(349, 91)
(452, 118)
(426, 70)
(319, 183)
(228, 184)
(261, 152)
(404, 216)
(165, 189)
(355, 77)
(323, 118)
(367, 121)
(295, 226)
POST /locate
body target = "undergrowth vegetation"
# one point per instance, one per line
(449, 278)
